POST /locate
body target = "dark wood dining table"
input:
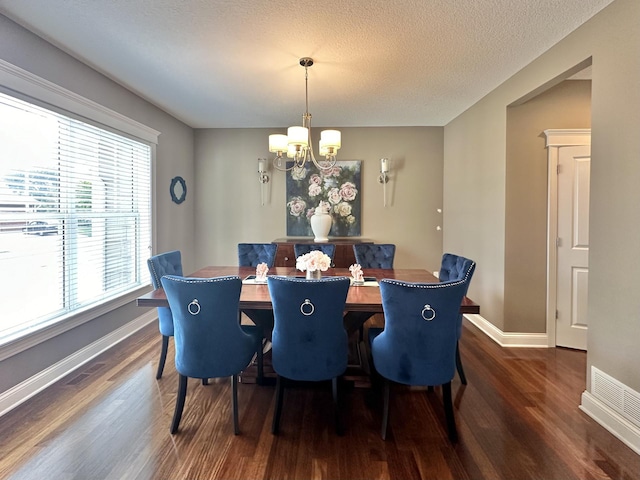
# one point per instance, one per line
(359, 298)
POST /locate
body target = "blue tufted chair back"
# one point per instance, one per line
(309, 339)
(251, 254)
(326, 248)
(374, 255)
(208, 338)
(456, 267)
(169, 263)
(418, 343)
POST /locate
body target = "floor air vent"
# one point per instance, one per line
(617, 395)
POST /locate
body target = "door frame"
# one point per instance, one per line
(556, 138)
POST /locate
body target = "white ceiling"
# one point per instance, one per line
(234, 63)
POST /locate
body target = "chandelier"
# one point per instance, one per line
(296, 144)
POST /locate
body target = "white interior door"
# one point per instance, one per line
(574, 168)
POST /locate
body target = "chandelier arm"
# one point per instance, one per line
(278, 166)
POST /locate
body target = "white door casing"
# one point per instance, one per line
(568, 237)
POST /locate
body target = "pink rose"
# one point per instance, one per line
(296, 206)
(348, 191)
(334, 196)
(314, 190)
(315, 179)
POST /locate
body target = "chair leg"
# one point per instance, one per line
(448, 412)
(260, 356)
(163, 356)
(385, 409)
(182, 394)
(336, 405)
(463, 379)
(205, 381)
(234, 403)
(275, 425)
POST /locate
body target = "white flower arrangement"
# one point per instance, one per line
(312, 261)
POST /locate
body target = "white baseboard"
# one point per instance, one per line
(20, 393)
(508, 339)
(619, 427)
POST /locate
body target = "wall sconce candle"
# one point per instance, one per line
(384, 178)
(263, 177)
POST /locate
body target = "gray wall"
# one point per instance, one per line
(228, 193)
(475, 193)
(567, 105)
(174, 156)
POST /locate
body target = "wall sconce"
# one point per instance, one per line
(384, 178)
(263, 177)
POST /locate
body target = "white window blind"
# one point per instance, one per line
(75, 216)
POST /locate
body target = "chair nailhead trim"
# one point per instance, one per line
(205, 280)
(303, 280)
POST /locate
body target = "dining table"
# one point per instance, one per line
(365, 298)
(361, 298)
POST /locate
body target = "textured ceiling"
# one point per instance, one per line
(234, 63)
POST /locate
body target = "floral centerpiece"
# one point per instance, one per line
(313, 263)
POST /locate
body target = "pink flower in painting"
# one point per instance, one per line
(315, 179)
(296, 206)
(336, 171)
(334, 196)
(314, 190)
(348, 191)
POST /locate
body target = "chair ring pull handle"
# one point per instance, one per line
(307, 308)
(194, 307)
(428, 311)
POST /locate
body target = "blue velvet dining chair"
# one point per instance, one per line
(251, 254)
(456, 267)
(369, 255)
(326, 248)
(418, 343)
(169, 263)
(374, 255)
(209, 340)
(309, 339)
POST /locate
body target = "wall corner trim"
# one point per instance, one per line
(508, 339)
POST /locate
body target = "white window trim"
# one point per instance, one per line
(26, 83)
(18, 80)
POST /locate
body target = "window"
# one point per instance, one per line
(75, 216)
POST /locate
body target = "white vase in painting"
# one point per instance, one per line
(321, 223)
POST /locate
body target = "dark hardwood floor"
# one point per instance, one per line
(518, 418)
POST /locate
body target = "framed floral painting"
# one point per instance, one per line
(339, 186)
